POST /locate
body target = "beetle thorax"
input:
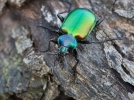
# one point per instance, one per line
(67, 42)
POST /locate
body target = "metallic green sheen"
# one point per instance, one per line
(79, 22)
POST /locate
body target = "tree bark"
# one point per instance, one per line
(105, 70)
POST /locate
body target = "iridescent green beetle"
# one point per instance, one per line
(75, 27)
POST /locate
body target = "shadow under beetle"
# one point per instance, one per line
(76, 26)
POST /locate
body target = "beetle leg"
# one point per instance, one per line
(51, 40)
(48, 49)
(61, 17)
(99, 21)
(49, 28)
(75, 66)
(101, 41)
(57, 59)
(113, 5)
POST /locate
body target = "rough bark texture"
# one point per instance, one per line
(105, 71)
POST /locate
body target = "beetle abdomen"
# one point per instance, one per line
(79, 23)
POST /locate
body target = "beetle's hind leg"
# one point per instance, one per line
(99, 21)
(59, 14)
(61, 17)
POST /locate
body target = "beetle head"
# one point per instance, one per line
(66, 42)
(63, 50)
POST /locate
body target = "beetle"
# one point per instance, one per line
(76, 26)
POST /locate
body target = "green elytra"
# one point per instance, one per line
(79, 22)
(77, 25)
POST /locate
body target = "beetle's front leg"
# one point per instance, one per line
(48, 49)
(51, 40)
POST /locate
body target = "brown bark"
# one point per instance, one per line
(105, 71)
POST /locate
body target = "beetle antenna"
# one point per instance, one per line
(52, 53)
